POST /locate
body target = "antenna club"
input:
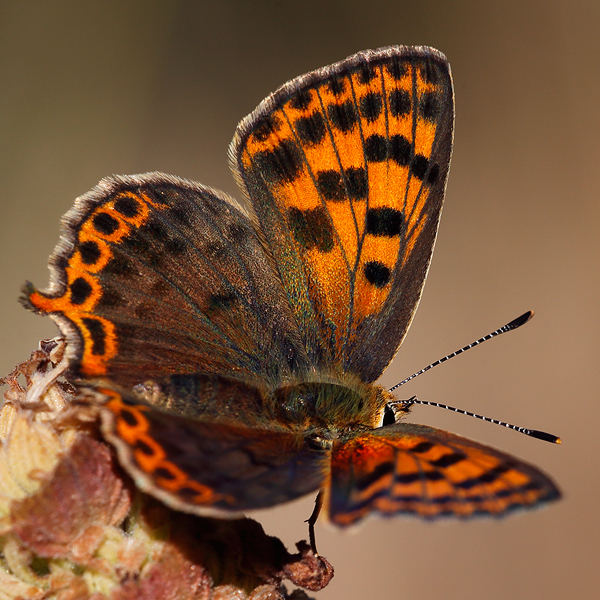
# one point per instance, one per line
(520, 320)
(534, 433)
(547, 437)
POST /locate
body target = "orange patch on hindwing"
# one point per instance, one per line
(148, 456)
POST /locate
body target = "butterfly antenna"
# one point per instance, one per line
(514, 324)
(540, 435)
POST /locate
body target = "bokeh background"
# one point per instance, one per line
(89, 89)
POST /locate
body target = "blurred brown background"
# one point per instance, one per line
(96, 88)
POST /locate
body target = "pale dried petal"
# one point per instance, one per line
(11, 588)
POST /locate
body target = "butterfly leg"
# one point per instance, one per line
(312, 520)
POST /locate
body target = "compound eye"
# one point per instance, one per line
(389, 416)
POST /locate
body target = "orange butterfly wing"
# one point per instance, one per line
(346, 170)
(414, 469)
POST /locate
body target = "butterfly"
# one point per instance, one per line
(236, 347)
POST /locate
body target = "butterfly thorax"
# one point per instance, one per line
(331, 407)
(334, 407)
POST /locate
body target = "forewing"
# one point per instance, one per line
(407, 468)
(207, 467)
(157, 275)
(346, 169)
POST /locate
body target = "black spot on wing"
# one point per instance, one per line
(433, 175)
(162, 193)
(337, 86)
(129, 417)
(376, 148)
(419, 166)
(408, 478)
(280, 165)
(422, 447)
(127, 206)
(118, 265)
(429, 70)
(397, 68)
(381, 470)
(370, 106)
(156, 229)
(164, 473)
(143, 447)
(269, 125)
(104, 223)
(384, 221)
(311, 130)
(342, 116)
(357, 183)
(89, 252)
(97, 333)
(238, 233)
(301, 100)
(488, 477)
(366, 73)
(80, 290)
(449, 459)
(429, 106)
(179, 214)
(377, 273)
(400, 150)
(397, 148)
(311, 228)
(330, 185)
(354, 185)
(188, 494)
(400, 102)
(493, 474)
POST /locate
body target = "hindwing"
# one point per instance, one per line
(414, 469)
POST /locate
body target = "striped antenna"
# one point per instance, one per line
(540, 435)
(514, 324)
(405, 404)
